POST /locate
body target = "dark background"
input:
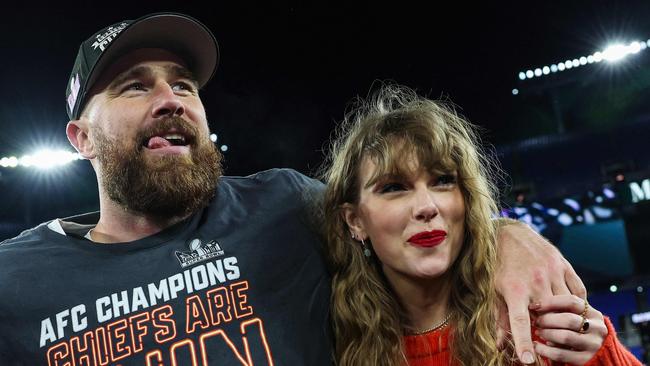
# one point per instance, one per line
(289, 69)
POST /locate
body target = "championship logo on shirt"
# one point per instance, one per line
(199, 252)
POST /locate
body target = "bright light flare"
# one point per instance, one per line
(613, 53)
(617, 52)
(613, 288)
(42, 159)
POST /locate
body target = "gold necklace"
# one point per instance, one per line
(440, 325)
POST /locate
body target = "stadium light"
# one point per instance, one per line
(42, 159)
(639, 318)
(615, 52)
(613, 288)
(612, 54)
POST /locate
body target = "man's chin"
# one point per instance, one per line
(157, 160)
(172, 182)
(168, 191)
(167, 209)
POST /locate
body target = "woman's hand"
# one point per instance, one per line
(573, 330)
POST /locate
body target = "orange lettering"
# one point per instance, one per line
(240, 299)
(162, 320)
(57, 354)
(137, 330)
(219, 305)
(117, 338)
(81, 355)
(178, 344)
(195, 314)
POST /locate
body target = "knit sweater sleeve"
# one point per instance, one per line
(612, 352)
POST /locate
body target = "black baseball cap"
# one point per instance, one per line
(180, 34)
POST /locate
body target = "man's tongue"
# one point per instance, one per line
(157, 142)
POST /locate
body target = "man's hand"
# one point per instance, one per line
(530, 268)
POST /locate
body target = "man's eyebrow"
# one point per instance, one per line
(182, 72)
(143, 71)
(134, 73)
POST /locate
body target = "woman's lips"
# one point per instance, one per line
(428, 239)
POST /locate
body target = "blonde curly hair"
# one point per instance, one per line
(393, 124)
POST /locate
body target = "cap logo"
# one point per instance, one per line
(107, 37)
(74, 91)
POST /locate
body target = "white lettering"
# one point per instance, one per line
(188, 282)
(640, 192)
(231, 265)
(139, 299)
(61, 323)
(160, 292)
(104, 39)
(176, 284)
(216, 272)
(47, 332)
(200, 278)
(79, 322)
(103, 309)
(120, 302)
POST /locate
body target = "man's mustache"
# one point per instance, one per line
(176, 124)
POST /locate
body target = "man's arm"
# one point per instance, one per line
(530, 268)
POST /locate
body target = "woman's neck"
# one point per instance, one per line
(425, 301)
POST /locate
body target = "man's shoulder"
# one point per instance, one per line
(274, 190)
(34, 237)
(21, 249)
(24, 239)
(276, 178)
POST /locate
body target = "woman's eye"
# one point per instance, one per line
(391, 187)
(446, 179)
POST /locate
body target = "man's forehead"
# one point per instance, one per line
(147, 57)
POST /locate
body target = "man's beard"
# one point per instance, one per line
(160, 187)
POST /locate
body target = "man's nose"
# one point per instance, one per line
(167, 103)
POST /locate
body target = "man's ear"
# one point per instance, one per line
(351, 217)
(77, 132)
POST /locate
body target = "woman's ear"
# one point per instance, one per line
(351, 217)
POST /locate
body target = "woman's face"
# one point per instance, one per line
(415, 222)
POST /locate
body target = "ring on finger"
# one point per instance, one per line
(584, 325)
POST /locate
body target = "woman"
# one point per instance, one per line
(409, 210)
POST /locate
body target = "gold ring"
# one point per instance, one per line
(584, 325)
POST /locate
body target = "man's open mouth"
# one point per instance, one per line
(165, 140)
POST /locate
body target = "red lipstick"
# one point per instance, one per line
(428, 239)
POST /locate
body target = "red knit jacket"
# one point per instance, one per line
(432, 349)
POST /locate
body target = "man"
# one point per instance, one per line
(182, 266)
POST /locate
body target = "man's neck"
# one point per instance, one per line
(119, 225)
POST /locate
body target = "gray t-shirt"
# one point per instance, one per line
(241, 282)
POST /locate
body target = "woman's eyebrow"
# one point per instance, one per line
(381, 178)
